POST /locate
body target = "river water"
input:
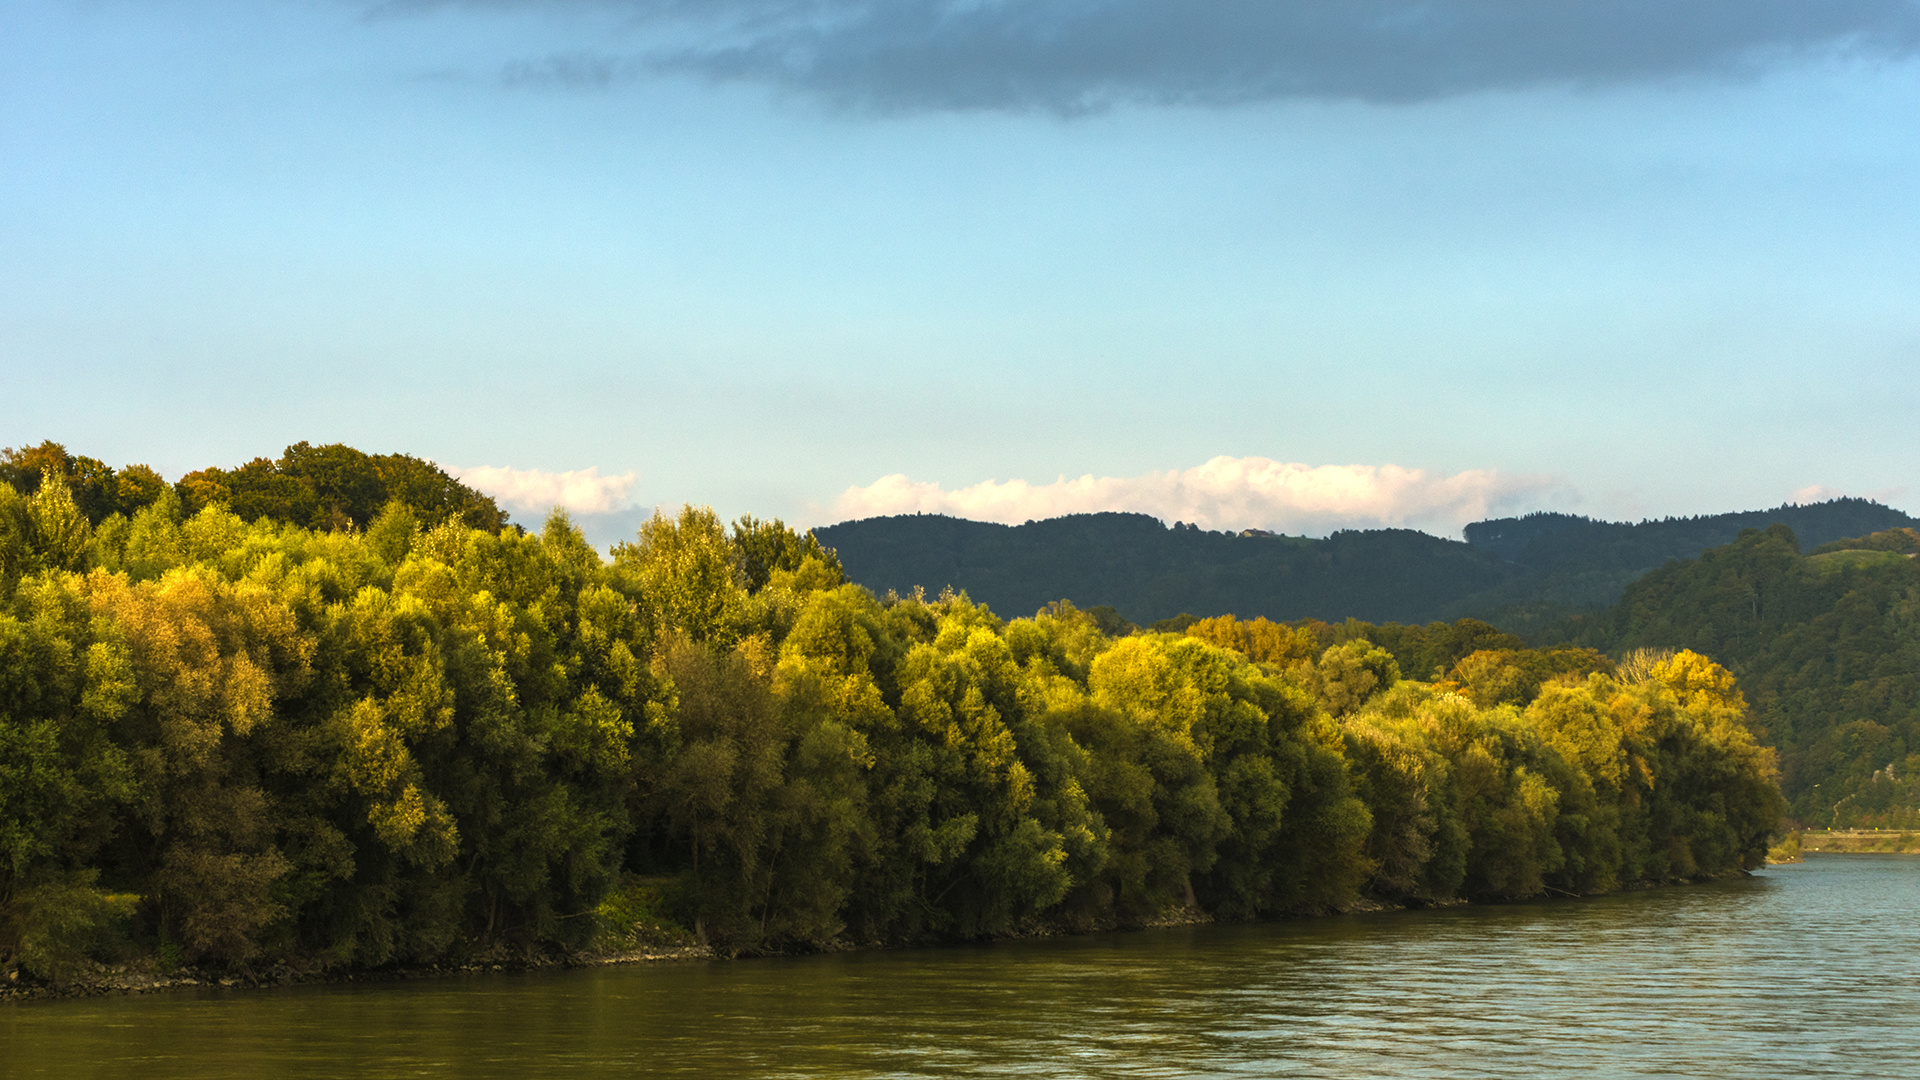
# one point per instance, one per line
(1809, 970)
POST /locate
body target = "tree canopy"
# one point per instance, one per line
(1523, 574)
(230, 742)
(326, 487)
(1826, 647)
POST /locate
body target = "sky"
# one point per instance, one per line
(1286, 264)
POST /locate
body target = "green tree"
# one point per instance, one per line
(63, 779)
(1351, 673)
(765, 547)
(686, 575)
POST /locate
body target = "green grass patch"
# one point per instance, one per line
(1834, 562)
(630, 917)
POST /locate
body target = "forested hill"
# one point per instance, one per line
(1826, 646)
(1148, 571)
(1567, 563)
(1522, 573)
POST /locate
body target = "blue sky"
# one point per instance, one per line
(1627, 259)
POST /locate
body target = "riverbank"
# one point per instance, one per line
(1861, 841)
(137, 978)
(1319, 998)
(141, 977)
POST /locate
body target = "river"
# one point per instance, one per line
(1808, 970)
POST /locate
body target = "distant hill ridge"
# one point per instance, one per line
(1826, 646)
(1521, 572)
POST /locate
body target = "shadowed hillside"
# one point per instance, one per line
(1826, 646)
(1521, 573)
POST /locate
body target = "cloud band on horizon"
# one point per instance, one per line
(533, 491)
(1228, 493)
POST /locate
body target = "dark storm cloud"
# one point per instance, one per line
(1074, 55)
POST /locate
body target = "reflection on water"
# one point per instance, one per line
(1803, 970)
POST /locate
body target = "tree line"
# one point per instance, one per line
(1525, 574)
(232, 742)
(322, 487)
(1827, 645)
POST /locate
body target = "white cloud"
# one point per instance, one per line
(533, 491)
(1814, 493)
(1230, 493)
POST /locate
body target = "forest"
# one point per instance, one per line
(1525, 574)
(1827, 645)
(367, 721)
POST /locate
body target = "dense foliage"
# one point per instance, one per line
(1149, 571)
(230, 743)
(1826, 644)
(321, 487)
(1520, 573)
